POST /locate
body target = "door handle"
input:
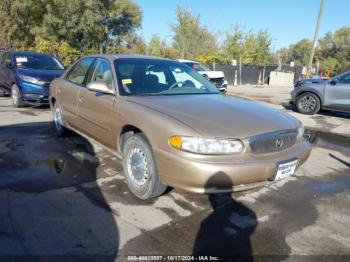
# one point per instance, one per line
(81, 100)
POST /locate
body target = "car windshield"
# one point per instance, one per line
(140, 77)
(36, 61)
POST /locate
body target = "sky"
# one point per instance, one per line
(287, 21)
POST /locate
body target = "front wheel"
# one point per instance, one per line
(60, 130)
(140, 168)
(16, 97)
(308, 103)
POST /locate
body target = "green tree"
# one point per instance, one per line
(300, 52)
(254, 48)
(62, 50)
(233, 44)
(191, 38)
(17, 18)
(284, 55)
(75, 22)
(263, 53)
(133, 44)
(333, 51)
(159, 47)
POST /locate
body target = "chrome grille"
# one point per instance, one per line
(273, 142)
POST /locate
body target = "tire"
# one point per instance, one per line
(60, 130)
(308, 103)
(140, 168)
(16, 97)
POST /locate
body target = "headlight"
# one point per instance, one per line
(301, 131)
(31, 79)
(206, 146)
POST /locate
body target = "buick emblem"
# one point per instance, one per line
(279, 142)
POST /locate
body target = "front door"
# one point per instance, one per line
(96, 109)
(338, 93)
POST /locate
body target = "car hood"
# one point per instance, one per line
(43, 75)
(212, 74)
(220, 116)
(312, 81)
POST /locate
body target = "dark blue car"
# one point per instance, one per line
(27, 76)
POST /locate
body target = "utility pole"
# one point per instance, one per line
(316, 35)
(240, 69)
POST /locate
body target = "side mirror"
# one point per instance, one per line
(334, 82)
(100, 87)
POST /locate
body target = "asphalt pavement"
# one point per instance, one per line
(69, 197)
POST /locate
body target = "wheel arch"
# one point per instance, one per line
(127, 131)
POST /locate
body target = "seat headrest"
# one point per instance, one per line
(107, 77)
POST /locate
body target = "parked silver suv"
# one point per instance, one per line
(309, 97)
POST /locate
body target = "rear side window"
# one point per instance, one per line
(79, 72)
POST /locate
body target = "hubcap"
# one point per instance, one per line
(58, 119)
(14, 95)
(137, 166)
(307, 103)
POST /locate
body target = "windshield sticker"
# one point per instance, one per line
(127, 81)
(21, 59)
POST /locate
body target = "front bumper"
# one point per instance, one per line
(220, 83)
(193, 175)
(35, 99)
(293, 96)
(34, 94)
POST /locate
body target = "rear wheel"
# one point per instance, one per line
(308, 103)
(16, 97)
(60, 130)
(140, 168)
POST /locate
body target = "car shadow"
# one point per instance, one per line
(226, 232)
(55, 206)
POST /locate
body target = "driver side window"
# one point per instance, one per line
(102, 72)
(78, 73)
(345, 79)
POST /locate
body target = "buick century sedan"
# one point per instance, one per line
(172, 127)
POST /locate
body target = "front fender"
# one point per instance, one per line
(156, 126)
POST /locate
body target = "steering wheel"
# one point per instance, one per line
(189, 83)
(176, 84)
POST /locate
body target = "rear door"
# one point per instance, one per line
(338, 95)
(68, 89)
(96, 109)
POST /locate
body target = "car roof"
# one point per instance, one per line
(123, 56)
(27, 53)
(187, 61)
